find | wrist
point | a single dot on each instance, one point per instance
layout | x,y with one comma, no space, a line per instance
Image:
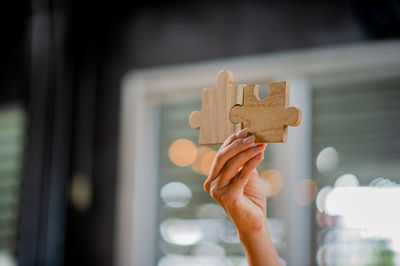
259,248
258,233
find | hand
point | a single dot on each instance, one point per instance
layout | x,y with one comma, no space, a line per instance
235,184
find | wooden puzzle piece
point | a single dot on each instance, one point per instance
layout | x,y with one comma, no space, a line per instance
267,119
213,120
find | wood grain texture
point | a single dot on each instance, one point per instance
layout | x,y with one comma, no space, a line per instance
213,120
267,119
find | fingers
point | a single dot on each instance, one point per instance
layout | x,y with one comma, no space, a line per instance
240,181
231,168
240,134
231,150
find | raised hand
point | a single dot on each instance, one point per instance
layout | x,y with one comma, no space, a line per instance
235,184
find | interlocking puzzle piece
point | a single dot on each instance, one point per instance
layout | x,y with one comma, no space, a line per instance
213,119
267,119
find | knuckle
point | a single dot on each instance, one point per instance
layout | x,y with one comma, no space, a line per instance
231,137
206,186
214,192
236,143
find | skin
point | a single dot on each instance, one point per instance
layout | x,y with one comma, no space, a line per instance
235,184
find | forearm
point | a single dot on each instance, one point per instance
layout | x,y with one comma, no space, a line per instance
259,249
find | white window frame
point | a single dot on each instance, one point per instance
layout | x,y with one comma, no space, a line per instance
144,90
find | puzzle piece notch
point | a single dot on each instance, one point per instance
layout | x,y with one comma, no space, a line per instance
213,120
269,118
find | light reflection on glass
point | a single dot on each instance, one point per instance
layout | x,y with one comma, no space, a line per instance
176,194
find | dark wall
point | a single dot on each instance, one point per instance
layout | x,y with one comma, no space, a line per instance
64,61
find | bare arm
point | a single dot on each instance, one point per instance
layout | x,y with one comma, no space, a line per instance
234,183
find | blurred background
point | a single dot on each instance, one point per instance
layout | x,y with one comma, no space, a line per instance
98,165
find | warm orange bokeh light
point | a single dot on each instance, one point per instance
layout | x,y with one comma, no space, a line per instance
273,181
206,161
196,165
260,169
182,152
306,191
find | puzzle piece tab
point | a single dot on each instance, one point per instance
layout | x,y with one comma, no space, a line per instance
267,119
213,120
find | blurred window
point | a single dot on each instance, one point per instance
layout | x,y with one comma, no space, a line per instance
356,151
12,133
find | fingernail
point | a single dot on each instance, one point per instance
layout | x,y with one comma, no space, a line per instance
261,146
242,133
249,139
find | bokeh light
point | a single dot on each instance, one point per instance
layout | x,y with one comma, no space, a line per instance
210,211
325,220
382,182
321,198
182,152
81,192
194,260
209,249
228,233
347,180
181,232
370,208
176,194
196,165
277,229
273,182
306,191
207,161
7,259
327,160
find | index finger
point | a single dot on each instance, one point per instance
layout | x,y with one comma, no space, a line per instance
223,155
240,134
